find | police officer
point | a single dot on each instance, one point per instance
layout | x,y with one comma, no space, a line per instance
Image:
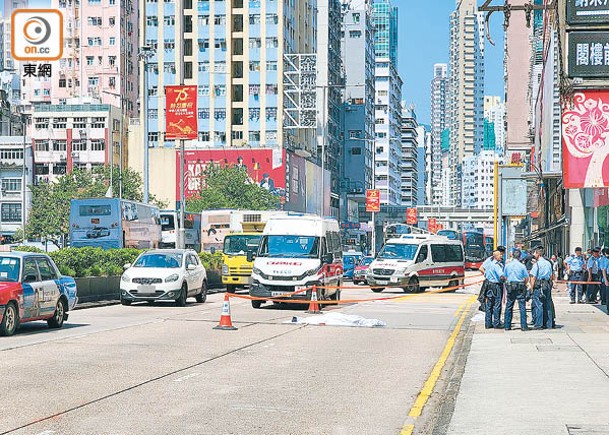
493,271
575,270
604,265
594,275
516,277
541,282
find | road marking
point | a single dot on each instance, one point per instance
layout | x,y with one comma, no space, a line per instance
185,378
429,385
46,432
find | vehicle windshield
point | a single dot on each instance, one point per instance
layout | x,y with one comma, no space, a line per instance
366,261
240,245
167,222
350,260
398,251
289,247
450,234
171,261
474,240
9,269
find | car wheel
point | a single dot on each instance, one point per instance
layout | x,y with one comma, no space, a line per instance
202,297
256,304
377,289
58,316
125,302
453,283
413,286
181,300
230,288
10,321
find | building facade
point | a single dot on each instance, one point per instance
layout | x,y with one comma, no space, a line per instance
479,180
466,84
67,136
388,89
409,165
494,119
439,105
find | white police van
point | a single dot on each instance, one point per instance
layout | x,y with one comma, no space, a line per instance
415,262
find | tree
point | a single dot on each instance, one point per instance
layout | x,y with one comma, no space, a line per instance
50,213
231,187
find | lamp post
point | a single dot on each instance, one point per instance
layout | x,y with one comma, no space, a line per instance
146,52
372,185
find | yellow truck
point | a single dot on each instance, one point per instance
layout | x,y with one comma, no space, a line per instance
236,270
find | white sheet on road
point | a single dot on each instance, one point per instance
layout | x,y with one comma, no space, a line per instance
337,319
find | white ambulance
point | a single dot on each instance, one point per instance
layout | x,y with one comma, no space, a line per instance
415,262
295,253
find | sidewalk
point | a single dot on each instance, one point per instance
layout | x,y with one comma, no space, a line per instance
548,382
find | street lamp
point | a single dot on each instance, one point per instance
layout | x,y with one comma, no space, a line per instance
146,52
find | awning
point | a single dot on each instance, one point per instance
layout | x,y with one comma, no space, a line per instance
559,224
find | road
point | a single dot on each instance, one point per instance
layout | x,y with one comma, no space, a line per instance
147,369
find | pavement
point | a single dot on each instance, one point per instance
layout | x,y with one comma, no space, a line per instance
536,382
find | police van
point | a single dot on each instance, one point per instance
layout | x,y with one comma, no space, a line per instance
296,252
416,262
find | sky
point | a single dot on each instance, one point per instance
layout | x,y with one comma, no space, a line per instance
423,41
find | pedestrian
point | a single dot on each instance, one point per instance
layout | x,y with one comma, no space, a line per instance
561,266
594,275
493,271
541,282
575,270
554,261
516,277
604,265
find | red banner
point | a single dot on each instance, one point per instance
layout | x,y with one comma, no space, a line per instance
181,112
373,201
585,133
411,216
432,225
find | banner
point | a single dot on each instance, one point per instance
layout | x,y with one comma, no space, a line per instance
585,132
411,216
180,112
373,201
432,225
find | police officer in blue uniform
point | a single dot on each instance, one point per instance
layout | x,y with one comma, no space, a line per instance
594,275
541,281
493,272
575,270
516,277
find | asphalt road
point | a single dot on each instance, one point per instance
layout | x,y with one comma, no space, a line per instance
160,369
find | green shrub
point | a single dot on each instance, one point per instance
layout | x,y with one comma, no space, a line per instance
89,261
211,261
28,249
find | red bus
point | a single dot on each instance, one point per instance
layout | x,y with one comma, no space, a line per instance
474,246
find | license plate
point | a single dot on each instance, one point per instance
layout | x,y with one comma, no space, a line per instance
300,288
275,294
145,289
382,282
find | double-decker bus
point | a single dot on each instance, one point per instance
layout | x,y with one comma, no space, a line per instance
475,253
114,223
450,234
170,224
489,245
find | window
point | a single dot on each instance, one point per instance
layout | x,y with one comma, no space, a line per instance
220,90
79,145
187,23
169,44
30,271
203,91
254,65
254,18
219,114
112,21
446,253
47,272
60,122
62,83
422,254
254,136
272,19
204,136
220,44
220,20
169,20
272,43
79,122
60,145
94,42
187,70
112,40
271,114
271,136
59,168
89,60
112,82
355,34
10,185
98,123
153,136
11,154
356,151
111,60
98,145
255,43
188,47
41,123
356,17
203,20
11,212
203,66
271,66
94,21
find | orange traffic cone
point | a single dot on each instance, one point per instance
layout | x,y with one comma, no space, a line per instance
225,321
314,307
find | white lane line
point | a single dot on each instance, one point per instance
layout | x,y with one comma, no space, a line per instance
185,378
46,432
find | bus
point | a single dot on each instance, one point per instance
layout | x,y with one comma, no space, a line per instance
170,222
475,253
450,234
395,231
217,224
114,223
489,245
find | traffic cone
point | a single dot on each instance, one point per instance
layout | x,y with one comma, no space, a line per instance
225,321
314,307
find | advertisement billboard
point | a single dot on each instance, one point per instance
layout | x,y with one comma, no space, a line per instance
411,216
302,190
264,167
585,127
181,112
373,200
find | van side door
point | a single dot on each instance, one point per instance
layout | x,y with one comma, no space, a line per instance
422,265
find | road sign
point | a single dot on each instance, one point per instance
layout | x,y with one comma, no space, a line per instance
411,216
587,12
373,200
587,54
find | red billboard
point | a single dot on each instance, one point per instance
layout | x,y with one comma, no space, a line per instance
181,112
411,216
585,133
264,167
373,200
432,225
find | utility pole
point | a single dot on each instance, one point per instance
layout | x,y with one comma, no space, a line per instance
181,242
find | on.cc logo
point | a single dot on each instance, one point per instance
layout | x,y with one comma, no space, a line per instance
37,34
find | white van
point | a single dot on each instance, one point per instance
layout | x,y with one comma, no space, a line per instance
416,262
297,252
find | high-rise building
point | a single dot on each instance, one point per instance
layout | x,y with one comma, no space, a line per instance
358,125
388,88
330,83
246,58
439,96
409,164
466,83
494,117
479,180
424,164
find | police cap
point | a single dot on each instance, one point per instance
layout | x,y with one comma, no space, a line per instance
500,248
596,249
578,249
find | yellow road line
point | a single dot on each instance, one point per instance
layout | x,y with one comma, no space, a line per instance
429,385
461,307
